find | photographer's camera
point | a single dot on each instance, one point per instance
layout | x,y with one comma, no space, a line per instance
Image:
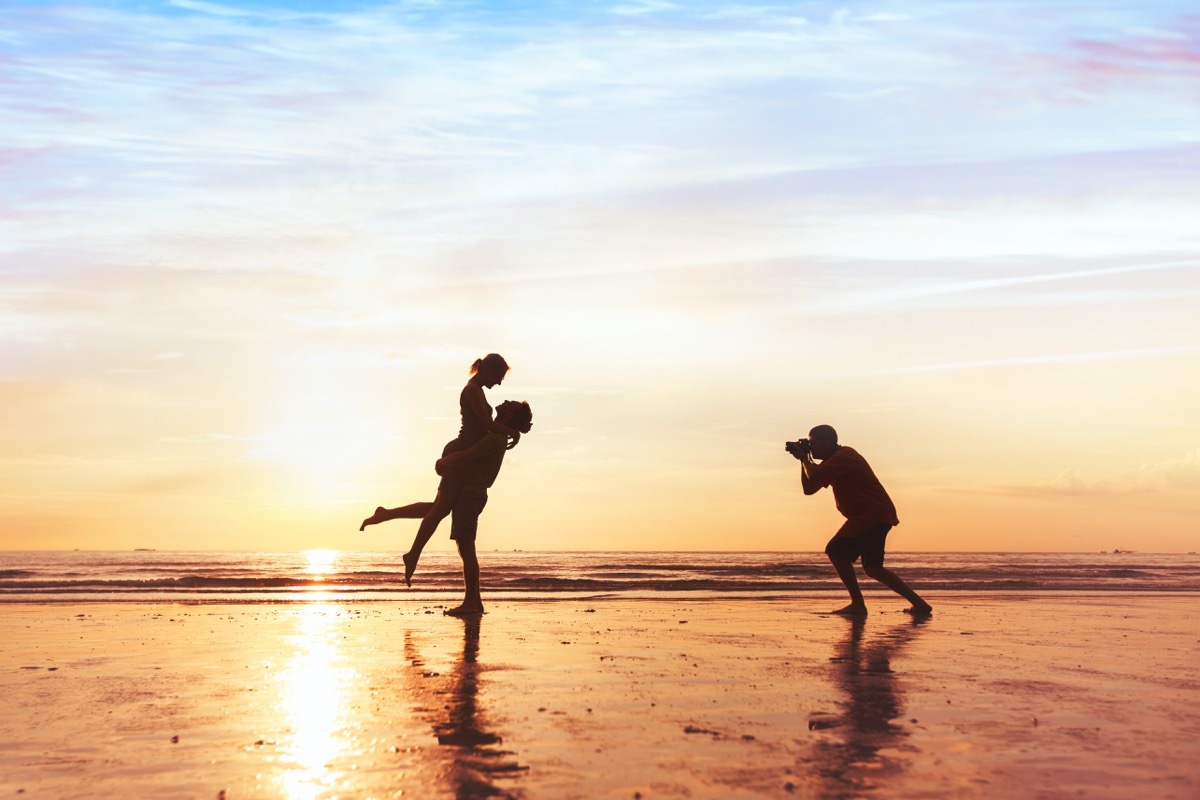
798,448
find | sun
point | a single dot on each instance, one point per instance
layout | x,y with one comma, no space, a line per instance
321,440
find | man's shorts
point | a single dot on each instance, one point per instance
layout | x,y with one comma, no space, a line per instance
868,545
464,522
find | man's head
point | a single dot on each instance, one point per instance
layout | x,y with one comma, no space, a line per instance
515,414
823,441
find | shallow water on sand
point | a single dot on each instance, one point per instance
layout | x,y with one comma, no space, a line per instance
32,576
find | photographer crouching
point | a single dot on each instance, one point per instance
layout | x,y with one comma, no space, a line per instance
868,510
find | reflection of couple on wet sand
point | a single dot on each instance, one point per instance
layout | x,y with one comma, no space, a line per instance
455,714
468,468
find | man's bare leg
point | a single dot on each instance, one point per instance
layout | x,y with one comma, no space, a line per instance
437,511
472,603
845,571
897,585
410,511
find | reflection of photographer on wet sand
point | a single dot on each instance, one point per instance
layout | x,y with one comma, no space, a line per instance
868,510
864,751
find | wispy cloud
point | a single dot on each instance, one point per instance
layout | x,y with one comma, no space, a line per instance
1179,474
217,9
1045,359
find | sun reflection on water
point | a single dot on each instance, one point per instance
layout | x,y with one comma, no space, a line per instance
313,702
320,562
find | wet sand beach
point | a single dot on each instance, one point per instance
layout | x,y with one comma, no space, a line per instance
1051,695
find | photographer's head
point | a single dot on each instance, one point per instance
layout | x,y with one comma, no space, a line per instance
822,441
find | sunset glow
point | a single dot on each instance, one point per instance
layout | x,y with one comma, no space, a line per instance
250,249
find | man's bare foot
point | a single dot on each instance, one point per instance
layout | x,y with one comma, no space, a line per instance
374,519
920,611
464,611
410,566
852,610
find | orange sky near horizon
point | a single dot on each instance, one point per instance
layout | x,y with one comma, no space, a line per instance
243,278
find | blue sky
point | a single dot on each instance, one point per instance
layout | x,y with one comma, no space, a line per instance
249,249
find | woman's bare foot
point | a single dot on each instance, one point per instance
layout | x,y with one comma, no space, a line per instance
920,611
410,566
852,610
464,611
374,519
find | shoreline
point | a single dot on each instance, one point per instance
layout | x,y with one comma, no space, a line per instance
426,596
737,697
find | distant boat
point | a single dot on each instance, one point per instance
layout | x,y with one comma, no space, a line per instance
144,550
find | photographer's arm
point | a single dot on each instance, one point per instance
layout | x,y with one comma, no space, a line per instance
808,479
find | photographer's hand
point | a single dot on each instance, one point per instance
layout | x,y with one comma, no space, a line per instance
807,478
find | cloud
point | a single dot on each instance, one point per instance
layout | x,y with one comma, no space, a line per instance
1173,51
1173,475
643,7
211,8
1044,359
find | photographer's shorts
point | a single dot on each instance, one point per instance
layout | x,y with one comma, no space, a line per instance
464,522
868,545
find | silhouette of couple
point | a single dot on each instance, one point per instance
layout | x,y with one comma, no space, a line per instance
468,467
471,461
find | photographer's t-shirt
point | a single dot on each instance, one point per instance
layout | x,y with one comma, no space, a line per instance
858,494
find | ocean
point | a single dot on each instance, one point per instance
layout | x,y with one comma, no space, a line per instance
155,576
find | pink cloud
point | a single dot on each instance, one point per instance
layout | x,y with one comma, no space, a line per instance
1175,51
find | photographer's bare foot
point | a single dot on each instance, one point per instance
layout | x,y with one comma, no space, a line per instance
410,566
374,519
852,610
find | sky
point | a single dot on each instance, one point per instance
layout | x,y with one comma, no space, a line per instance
249,251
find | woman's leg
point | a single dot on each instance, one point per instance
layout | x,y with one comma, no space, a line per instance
410,511
437,511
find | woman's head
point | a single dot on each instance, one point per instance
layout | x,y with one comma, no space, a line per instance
491,368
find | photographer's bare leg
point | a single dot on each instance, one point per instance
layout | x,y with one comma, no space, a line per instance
845,571
897,585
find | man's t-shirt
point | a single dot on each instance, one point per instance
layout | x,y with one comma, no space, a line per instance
857,493
480,473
